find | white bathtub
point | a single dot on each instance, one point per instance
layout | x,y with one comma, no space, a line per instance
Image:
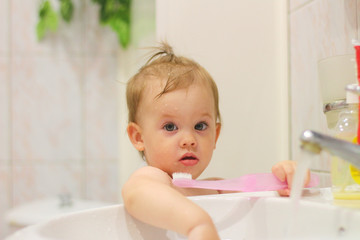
237,216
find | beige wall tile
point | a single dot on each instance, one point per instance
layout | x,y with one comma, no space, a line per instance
102,182
67,40
321,29
4,26
4,199
46,111
4,111
101,109
34,182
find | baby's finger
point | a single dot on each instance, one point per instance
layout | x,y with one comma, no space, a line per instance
279,172
284,192
289,173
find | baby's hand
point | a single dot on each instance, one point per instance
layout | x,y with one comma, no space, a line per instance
285,171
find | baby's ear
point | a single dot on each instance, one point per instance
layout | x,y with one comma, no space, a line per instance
218,129
134,133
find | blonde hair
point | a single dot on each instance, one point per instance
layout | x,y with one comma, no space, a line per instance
179,72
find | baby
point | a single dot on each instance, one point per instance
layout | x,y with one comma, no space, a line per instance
174,122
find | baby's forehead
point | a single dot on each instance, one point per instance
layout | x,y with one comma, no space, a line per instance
195,95
153,86
160,85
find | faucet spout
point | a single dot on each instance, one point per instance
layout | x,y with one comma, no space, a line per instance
316,142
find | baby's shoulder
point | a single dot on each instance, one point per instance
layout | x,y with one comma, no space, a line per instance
151,173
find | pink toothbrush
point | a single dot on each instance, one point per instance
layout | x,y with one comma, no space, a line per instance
247,183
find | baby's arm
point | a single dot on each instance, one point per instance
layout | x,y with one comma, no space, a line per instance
149,196
285,171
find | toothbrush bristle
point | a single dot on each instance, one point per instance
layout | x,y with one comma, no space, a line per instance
180,175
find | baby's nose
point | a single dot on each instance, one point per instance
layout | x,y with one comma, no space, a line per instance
188,140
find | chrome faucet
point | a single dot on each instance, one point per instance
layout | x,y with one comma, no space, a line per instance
65,200
316,142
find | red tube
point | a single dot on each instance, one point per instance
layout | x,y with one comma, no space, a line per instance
357,50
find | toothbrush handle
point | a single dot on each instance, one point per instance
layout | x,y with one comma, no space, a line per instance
269,182
247,183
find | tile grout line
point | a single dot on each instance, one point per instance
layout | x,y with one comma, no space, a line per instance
289,82
83,106
10,108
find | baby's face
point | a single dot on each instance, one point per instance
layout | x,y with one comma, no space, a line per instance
179,129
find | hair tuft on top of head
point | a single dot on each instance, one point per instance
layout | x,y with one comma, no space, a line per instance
164,50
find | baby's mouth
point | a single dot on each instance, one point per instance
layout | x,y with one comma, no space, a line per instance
189,160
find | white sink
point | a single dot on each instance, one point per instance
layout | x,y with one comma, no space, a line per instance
46,209
237,216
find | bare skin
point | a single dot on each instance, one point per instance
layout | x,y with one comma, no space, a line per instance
149,188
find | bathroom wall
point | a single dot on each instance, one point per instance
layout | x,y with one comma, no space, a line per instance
59,104
319,29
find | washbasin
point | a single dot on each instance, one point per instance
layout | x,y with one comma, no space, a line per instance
45,209
261,215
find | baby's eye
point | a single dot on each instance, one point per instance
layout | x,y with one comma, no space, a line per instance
201,126
170,127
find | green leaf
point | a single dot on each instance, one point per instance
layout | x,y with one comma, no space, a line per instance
52,21
48,20
40,30
122,29
44,8
66,10
116,14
